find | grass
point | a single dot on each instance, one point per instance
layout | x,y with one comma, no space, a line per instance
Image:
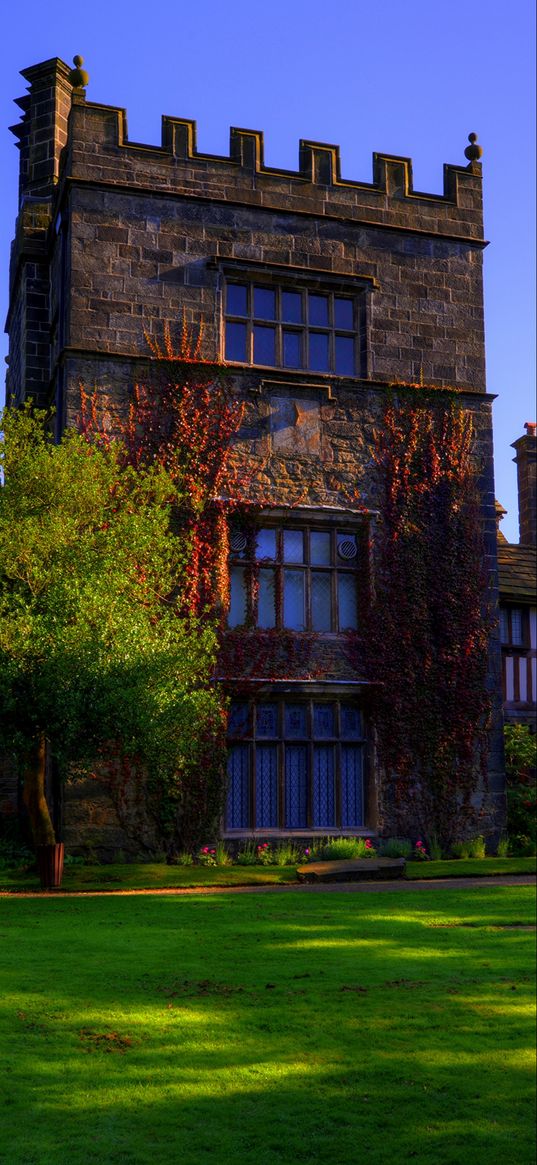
326,1027
158,876
149,876
153,876
470,868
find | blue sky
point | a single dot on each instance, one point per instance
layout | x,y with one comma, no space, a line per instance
409,78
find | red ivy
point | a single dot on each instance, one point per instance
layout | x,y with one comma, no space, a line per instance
429,620
185,420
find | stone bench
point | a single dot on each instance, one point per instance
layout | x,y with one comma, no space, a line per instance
352,871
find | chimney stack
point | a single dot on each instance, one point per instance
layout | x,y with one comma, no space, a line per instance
41,136
526,463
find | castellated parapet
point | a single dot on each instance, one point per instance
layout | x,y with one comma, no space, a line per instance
142,234
99,139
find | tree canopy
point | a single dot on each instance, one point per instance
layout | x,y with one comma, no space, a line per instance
94,651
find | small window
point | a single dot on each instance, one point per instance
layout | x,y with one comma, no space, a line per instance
282,328
512,626
516,627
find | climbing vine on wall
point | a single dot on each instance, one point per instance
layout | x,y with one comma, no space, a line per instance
426,642
182,422
183,418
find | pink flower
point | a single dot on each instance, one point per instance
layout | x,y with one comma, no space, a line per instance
368,843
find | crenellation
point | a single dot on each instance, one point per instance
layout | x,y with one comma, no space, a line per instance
178,164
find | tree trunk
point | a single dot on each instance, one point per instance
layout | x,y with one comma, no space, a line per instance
34,794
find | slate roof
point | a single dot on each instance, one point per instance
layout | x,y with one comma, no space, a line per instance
517,571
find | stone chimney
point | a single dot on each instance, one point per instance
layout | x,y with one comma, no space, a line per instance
42,132
526,463
41,136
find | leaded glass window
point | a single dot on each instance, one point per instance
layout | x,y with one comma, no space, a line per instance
295,765
512,626
300,578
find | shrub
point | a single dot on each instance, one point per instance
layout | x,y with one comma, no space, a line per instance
13,852
207,856
315,853
473,847
520,751
522,845
342,848
477,847
396,847
183,858
502,850
264,854
459,849
247,856
222,856
435,848
520,762
521,810
289,854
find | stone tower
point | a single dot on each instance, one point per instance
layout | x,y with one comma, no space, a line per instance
318,292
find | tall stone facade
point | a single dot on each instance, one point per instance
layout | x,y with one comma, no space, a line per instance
318,293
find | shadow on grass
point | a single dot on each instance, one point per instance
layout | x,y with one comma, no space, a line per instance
327,1028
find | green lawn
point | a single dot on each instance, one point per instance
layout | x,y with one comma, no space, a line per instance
268,1029
149,876
470,868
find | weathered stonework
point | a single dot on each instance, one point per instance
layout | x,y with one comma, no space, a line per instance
116,239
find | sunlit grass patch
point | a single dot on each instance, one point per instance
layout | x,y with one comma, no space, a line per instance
263,1029
470,868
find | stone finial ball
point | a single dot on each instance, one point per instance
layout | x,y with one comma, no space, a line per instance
78,76
473,152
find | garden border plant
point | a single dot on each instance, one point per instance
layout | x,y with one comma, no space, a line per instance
520,766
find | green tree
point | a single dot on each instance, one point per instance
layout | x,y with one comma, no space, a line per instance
95,656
